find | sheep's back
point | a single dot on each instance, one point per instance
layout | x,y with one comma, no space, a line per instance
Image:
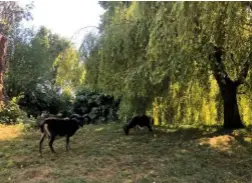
140,120
62,127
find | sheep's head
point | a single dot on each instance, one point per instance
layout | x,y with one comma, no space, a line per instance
87,119
126,129
80,119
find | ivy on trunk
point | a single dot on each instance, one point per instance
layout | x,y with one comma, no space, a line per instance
3,46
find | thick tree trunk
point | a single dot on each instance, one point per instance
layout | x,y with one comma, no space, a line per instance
3,46
228,88
232,119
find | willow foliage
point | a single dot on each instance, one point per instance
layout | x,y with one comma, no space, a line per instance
158,56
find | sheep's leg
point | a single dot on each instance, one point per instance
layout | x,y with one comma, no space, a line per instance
67,142
52,138
47,131
126,130
137,127
150,129
42,138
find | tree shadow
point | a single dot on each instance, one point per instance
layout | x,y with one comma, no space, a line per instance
188,132
195,133
219,155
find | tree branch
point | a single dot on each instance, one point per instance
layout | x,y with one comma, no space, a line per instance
244,72
248,4
218,68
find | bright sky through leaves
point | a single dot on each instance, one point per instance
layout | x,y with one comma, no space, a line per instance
66,17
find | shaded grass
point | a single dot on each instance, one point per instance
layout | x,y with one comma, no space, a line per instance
101,153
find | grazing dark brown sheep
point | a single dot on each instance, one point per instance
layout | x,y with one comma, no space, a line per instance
53,127
141,121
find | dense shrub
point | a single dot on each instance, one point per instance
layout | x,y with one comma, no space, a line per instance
66,103
12,113
36,102
98,106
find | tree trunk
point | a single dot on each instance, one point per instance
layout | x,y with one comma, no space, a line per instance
232,119
228,88
3,46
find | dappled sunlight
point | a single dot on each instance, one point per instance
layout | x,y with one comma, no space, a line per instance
99,129
193,105
222,143
8,132
245,108
248,140
188,104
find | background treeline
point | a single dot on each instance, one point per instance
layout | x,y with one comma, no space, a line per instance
181,62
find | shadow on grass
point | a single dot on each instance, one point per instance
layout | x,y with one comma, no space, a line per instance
196,132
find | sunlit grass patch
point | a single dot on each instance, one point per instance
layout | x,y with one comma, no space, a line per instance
222,143
99,129
8,132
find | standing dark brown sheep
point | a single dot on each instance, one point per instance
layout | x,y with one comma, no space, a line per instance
53,127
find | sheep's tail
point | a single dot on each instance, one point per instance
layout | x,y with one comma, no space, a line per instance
41,126
151,121
44,129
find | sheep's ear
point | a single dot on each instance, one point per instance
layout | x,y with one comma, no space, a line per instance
81,123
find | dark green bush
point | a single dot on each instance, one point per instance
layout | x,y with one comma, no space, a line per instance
98,106
52,101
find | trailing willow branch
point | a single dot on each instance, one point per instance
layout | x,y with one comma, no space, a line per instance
92,26
244,72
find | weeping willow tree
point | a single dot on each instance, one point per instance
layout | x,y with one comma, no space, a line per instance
211,38
153,50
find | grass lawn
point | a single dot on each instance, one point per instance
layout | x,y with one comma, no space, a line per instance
102,153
